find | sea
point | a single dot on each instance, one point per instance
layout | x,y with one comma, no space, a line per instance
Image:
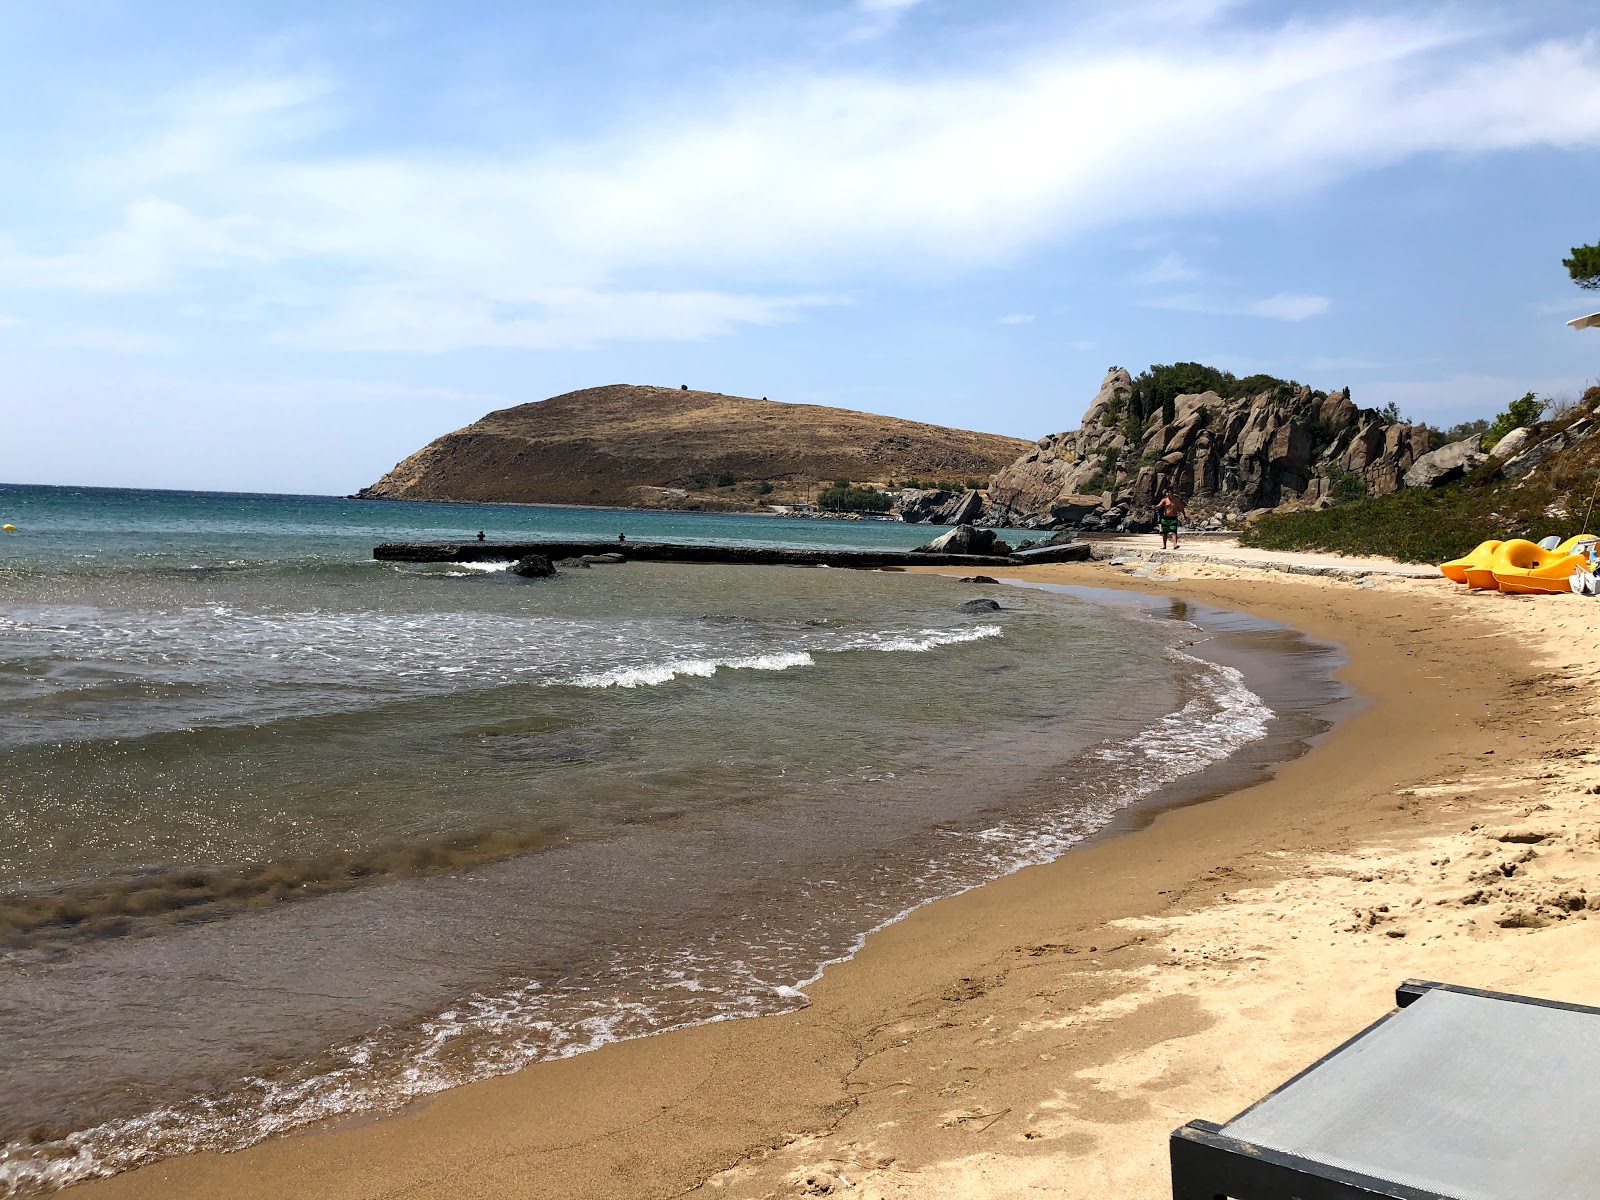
288,834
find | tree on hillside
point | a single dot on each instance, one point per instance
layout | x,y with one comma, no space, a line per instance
1584,266
1156,389
1519,414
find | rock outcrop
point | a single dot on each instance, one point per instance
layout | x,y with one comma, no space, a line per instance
1522,463
935,506
1226,456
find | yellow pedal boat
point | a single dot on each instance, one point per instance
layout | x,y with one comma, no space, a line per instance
1481,559
1522,566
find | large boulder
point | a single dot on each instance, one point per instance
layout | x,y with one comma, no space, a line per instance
1069,510
965,539
534,566
1508,446
1070,552
1446,464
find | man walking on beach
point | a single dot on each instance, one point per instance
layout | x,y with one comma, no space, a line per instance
1168,509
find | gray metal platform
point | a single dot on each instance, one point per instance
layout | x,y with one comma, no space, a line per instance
1462,1094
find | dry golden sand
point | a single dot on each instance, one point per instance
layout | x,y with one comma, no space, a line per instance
1041,1036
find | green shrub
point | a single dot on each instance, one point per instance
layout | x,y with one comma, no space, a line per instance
852,499
1346,486
1423,525
764,487
726,479
1156,388
1519,414
1458,432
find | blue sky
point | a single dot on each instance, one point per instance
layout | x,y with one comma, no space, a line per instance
279,246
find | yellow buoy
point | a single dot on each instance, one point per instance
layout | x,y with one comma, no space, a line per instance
9,528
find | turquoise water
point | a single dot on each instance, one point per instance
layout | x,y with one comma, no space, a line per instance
479,820
62,527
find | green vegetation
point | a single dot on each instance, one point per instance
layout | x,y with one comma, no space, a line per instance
1459,432
764,487
1519,414
940,485
841,496
726,479
1157,388
1348,486
1422,525
1584,266
1438,524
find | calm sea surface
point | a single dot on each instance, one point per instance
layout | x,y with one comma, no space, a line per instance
286,833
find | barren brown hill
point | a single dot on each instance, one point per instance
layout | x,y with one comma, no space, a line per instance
655,446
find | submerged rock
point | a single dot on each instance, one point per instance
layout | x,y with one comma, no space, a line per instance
980,605
534,566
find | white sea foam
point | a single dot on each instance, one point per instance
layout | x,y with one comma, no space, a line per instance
652,674
214,665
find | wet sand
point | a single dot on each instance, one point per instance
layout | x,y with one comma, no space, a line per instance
1041,1034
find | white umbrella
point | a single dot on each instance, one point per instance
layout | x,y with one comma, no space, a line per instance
1589,322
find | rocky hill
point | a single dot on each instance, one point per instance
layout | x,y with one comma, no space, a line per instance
628,445
1264,443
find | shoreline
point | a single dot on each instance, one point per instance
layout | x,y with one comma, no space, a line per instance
754,1103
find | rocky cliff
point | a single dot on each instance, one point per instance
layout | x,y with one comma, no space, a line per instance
1228,456
668,447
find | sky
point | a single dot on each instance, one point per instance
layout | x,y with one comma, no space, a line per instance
279,246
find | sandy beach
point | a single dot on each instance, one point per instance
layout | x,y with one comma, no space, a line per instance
1040,1036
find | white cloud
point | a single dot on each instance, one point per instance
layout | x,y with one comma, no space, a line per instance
880,16
1017,319
757,200
402,319
155,242
1285,306
1170,268
1289,306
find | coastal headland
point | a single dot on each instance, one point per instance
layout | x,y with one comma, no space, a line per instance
1040,1035
676,448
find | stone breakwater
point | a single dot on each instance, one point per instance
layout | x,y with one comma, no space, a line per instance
490,551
